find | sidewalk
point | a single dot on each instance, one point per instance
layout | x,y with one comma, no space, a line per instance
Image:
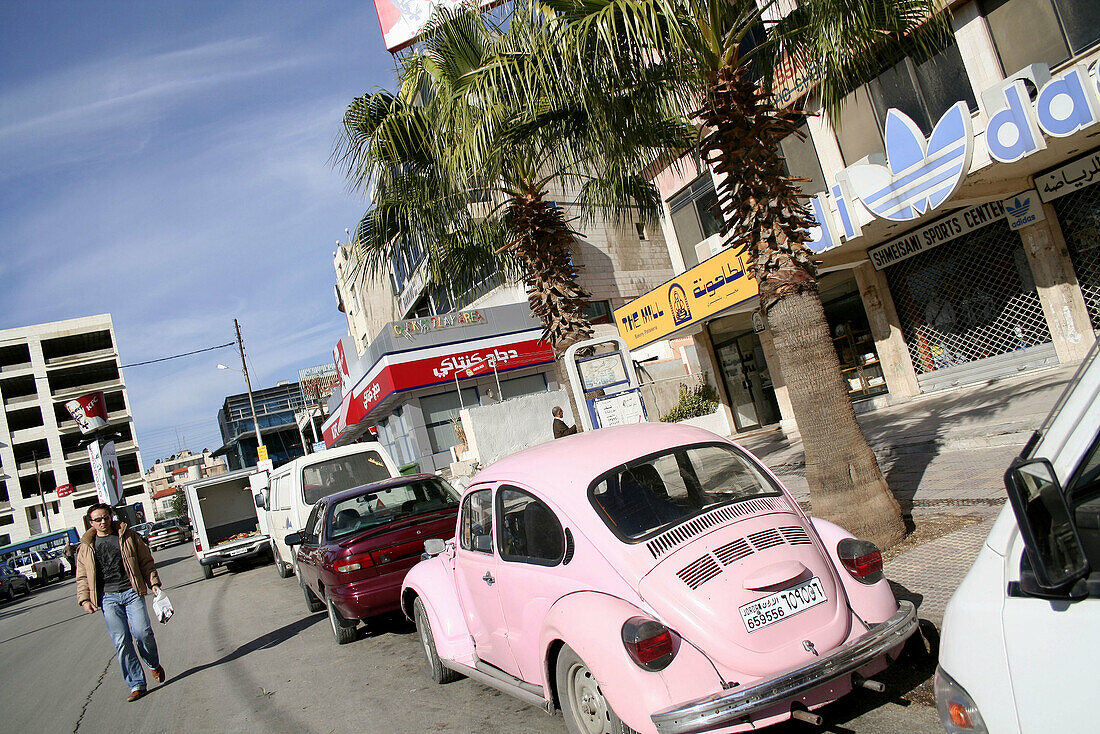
947,449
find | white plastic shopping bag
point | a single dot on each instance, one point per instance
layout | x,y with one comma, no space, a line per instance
162,607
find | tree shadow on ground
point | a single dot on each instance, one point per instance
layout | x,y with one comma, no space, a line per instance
263,642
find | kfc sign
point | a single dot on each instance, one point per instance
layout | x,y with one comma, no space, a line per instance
89,411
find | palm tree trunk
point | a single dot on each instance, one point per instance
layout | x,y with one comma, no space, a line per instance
542,244
846,484
763,214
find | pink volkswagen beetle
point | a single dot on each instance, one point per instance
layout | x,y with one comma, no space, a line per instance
654,578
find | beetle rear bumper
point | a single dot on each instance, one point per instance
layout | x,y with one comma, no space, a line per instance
731,707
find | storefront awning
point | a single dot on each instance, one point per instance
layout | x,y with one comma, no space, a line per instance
440,364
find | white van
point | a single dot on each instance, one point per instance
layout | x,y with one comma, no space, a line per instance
294,488
1020,650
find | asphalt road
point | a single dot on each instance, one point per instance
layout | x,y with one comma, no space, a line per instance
243,654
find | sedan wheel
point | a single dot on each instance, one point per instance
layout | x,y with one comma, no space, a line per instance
585,709
342,629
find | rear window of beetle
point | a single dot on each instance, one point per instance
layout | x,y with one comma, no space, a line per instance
656,492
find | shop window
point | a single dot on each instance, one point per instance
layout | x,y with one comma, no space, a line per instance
519,386
802,161
921,86
598,312
695,216
439,410
529,530
1041,31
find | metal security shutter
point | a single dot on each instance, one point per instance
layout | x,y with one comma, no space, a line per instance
968,300
1079,214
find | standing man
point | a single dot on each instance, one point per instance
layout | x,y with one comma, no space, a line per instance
114,570
560,429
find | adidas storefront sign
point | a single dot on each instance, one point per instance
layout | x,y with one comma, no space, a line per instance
1023,209
919,175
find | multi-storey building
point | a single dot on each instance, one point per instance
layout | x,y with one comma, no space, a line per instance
275,411
980,259
41,446
168,475
403,330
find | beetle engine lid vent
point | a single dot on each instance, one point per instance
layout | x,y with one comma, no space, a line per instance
680,534
795,535
698,572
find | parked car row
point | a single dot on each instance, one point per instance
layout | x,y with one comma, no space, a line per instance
40,567
648,578
13,583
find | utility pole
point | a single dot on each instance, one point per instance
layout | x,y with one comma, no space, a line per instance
248,384
41,494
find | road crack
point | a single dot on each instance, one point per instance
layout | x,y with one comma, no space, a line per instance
88,700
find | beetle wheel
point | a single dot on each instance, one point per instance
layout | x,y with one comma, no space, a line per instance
583,705
436,669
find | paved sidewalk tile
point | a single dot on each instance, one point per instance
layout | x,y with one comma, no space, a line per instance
929,574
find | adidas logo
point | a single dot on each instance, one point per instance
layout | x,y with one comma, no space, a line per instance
918,174
1017,208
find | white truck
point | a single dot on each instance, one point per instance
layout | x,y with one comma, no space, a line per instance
1020,636
39,566
224,520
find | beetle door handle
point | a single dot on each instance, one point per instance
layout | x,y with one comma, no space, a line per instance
488,578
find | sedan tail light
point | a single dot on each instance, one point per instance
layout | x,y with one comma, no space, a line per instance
862,559
650,644
353,563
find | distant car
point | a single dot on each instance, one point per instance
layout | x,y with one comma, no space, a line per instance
165,533
68,565
142,529
652,578
12,583
39,567
358,544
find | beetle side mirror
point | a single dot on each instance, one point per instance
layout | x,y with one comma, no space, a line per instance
293,539
1050,536
434,546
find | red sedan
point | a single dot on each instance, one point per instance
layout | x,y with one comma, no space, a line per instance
358,545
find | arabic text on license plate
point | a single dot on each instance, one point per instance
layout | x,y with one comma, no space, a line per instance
782,604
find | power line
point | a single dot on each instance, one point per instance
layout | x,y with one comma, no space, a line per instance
177,356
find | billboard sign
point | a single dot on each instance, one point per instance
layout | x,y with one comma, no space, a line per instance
403,20
105,472
89,411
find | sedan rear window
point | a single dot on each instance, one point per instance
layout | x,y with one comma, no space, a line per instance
380,506
658,491
336,475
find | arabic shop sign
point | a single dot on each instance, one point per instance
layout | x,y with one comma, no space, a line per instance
711,286
411,327
1069,178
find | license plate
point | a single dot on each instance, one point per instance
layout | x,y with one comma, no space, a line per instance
238,552
782,604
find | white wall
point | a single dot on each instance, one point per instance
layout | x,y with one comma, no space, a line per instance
499,430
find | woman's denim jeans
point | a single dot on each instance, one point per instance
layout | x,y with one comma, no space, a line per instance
128,622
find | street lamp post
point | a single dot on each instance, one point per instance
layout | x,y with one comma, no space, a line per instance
248,385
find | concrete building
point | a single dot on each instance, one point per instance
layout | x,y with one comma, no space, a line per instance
168,475
978,260
406,338
275,411
41,367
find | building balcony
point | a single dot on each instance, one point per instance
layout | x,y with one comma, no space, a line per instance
98,355
68,393
15,370
113,418
20,400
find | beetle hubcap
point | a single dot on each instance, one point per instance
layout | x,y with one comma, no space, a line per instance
588,704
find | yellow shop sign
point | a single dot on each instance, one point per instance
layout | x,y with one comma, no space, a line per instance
711,286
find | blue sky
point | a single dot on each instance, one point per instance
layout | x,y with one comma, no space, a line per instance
168,163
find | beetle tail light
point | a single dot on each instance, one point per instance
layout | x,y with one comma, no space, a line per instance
650,644
862,559
353,563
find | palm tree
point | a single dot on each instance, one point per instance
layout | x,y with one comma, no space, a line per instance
454,141
729,52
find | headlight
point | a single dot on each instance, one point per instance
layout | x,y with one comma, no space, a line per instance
958,712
